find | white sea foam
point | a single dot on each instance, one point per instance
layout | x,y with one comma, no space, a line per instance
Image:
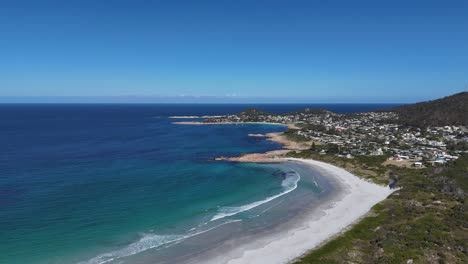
354,199
148,241
289,184
315,182
211,116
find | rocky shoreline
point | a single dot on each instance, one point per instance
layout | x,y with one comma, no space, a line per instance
270,156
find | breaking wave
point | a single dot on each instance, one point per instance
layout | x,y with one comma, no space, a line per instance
289,184
148,241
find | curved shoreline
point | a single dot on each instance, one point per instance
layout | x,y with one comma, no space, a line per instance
316,218
354,200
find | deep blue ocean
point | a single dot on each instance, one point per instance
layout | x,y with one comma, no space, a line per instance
92,183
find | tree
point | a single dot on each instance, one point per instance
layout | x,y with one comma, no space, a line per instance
333,149
313,147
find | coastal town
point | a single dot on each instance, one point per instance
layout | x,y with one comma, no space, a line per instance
367,133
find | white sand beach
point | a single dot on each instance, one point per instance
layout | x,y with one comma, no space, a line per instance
355,199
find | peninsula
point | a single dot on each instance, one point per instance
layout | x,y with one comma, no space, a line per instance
425,220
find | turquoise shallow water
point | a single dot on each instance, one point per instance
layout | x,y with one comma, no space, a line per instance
121,184
78,183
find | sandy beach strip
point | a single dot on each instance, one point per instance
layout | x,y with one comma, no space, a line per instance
320,224
270,156
354,201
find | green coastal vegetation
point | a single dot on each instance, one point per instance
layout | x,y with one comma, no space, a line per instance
410,135
291,134
367,167
421,149
450,110
425,221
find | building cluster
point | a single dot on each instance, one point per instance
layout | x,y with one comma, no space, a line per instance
370,133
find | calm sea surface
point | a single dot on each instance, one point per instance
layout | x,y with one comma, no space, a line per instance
99,183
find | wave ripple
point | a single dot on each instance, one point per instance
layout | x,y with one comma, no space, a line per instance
289,184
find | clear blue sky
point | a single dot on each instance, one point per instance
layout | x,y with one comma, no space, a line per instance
320,51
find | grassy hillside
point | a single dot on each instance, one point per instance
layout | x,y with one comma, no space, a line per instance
424,222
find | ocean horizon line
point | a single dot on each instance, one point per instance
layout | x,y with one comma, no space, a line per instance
191,103
403,99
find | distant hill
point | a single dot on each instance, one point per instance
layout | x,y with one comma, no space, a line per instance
450,110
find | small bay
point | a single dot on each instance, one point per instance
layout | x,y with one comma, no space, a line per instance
122,184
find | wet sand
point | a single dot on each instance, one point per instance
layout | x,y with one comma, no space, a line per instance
350,200
345,200
283,229
229,237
